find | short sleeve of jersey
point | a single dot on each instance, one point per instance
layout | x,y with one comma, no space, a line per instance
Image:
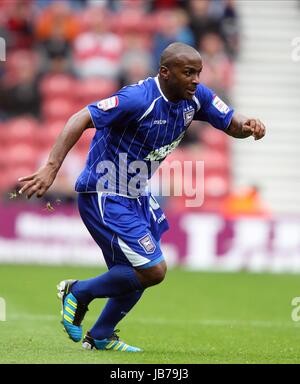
213,109
120,108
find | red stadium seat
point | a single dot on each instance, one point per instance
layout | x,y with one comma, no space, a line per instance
214,159
216,176
58,85
85,141
3,158
48,133
3,184
21,130
214,139
9,179
21,155
216,185
53,129
131,20
94,89
3,136
58,109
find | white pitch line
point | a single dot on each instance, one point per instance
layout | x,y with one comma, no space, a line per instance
203,322
29,317
222,323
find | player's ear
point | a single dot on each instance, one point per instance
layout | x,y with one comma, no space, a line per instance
164,72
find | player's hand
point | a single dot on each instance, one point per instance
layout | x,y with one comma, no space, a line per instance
255,128
38,183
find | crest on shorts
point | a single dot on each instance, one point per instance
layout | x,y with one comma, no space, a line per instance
147,243
109,103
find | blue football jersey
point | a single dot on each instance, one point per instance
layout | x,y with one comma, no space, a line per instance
136,128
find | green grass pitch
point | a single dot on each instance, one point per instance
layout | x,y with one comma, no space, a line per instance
190,318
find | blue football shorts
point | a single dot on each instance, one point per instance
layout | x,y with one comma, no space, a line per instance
128,230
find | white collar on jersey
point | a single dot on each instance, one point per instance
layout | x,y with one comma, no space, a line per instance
158,86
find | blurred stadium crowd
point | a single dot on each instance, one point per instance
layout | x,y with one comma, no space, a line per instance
63,55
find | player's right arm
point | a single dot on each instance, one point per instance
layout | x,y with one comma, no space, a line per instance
39,182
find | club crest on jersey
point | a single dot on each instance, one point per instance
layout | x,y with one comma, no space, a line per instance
109,103
220,105
147,243
188,116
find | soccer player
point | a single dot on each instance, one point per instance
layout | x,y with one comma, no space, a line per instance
136,127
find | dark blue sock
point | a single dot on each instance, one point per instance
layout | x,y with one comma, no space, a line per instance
118,281
115,309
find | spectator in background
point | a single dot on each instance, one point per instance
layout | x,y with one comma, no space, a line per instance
3,35
57,65
97,52
19,92
230,28
225,12
246,201
172,26
201,20
134,68
74,4
115,45
217,71
163,4
120,6
42,4
2,71
131,16
58,16
215,16
56,52
55,29
18,24
137,61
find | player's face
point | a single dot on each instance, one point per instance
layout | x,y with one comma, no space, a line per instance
183,78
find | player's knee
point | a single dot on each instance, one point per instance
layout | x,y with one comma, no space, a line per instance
153,275
159,274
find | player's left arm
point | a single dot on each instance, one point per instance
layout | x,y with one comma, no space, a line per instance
242,127
221,116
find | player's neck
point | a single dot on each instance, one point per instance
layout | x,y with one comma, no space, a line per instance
166,92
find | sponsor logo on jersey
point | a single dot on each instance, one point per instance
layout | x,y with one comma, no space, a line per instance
109,103
161,153
147,243
220,105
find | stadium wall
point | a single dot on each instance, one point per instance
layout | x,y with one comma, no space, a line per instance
208,242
